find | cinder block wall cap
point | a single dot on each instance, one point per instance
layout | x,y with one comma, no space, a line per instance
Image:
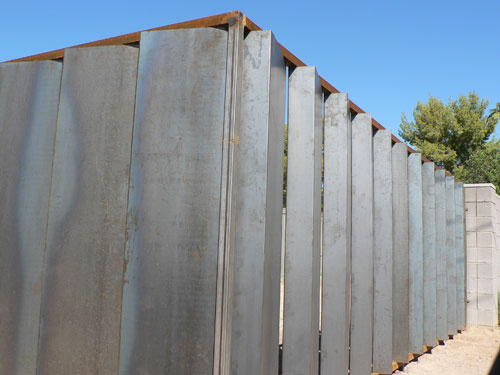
479,185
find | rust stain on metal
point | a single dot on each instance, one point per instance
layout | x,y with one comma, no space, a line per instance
36,289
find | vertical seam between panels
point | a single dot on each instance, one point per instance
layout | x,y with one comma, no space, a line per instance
42,282
126,211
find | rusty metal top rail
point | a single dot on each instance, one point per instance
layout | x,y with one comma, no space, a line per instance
219,20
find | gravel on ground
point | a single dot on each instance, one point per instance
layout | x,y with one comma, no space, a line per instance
471,352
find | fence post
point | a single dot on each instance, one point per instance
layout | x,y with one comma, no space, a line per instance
429,248
228,193
400,281
303,209
88,211
460,246
258,208
441,260
175,194
451,255
382,252
337,237
416,256
362,246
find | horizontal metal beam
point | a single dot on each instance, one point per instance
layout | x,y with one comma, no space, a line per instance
223,19
217,20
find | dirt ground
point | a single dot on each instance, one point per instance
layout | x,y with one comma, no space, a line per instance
469,353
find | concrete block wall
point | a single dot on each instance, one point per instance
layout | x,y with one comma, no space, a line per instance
482,213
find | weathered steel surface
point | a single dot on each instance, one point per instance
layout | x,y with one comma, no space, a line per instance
257,258
416,256
302,256
429,243
382,252
400,277
460,246
82,294
168,318
362,246
29,94
336,237
228,190
451,255
441,278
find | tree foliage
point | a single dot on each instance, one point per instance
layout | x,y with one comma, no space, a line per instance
450,133
483,165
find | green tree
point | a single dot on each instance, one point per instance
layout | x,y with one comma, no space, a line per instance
450,133
495,113
483,165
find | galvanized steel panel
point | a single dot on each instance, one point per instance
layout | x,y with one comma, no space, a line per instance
258,208
451,255
82,295
228,190
429,247
382,252
336,237
302,256
460,246
400,276
168,319
416,256
29,95
362,246
441,260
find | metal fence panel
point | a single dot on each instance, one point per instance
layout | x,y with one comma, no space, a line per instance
168,321
337,237
362,246
400,277
86,239
382,252
429,247
228,190
441,268
302,256
460,245
451,255
255,325
29,95
141,216
416,256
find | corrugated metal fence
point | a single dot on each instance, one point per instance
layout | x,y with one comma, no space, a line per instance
140,219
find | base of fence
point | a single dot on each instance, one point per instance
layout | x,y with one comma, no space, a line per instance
414,356
395,366
411,357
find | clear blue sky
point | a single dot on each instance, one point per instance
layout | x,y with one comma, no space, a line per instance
385,54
